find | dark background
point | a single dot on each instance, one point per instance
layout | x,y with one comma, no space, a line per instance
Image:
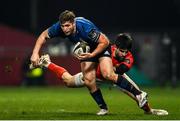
141,15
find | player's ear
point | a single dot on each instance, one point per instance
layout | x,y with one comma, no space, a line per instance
74,23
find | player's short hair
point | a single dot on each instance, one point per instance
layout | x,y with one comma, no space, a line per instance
66,16
124,41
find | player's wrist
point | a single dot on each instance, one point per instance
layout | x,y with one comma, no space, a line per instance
35,53
92,55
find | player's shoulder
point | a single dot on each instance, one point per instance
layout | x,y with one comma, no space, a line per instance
82,20
129,53
130,56
87,28
55,30
56,23
56,26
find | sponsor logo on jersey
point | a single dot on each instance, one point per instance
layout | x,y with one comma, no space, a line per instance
94,35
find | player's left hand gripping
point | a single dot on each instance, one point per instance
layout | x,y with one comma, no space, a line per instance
34,61
85,56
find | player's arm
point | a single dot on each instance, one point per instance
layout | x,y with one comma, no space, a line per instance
124,66
40,41
103,43
121,69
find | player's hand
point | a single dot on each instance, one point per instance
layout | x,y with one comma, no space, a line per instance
85,56
35,59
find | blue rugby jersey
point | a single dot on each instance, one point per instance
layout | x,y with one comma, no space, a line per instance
85,31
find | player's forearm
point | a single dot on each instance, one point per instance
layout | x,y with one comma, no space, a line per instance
40,41
99,49
103,44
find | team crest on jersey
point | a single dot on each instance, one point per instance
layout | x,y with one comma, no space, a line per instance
94,35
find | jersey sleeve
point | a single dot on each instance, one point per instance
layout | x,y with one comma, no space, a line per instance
55,30
90,31
125,65
128,62
93,34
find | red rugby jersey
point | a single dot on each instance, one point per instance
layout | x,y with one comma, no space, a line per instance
128,61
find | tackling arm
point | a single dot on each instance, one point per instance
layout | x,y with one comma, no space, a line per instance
121,69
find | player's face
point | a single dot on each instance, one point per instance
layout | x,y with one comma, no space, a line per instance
68,28
122,52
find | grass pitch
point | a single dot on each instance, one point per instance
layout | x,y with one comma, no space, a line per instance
65,104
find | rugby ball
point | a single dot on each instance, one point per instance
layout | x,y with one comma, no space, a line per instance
80,48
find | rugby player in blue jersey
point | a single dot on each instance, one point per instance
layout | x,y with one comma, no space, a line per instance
80,29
